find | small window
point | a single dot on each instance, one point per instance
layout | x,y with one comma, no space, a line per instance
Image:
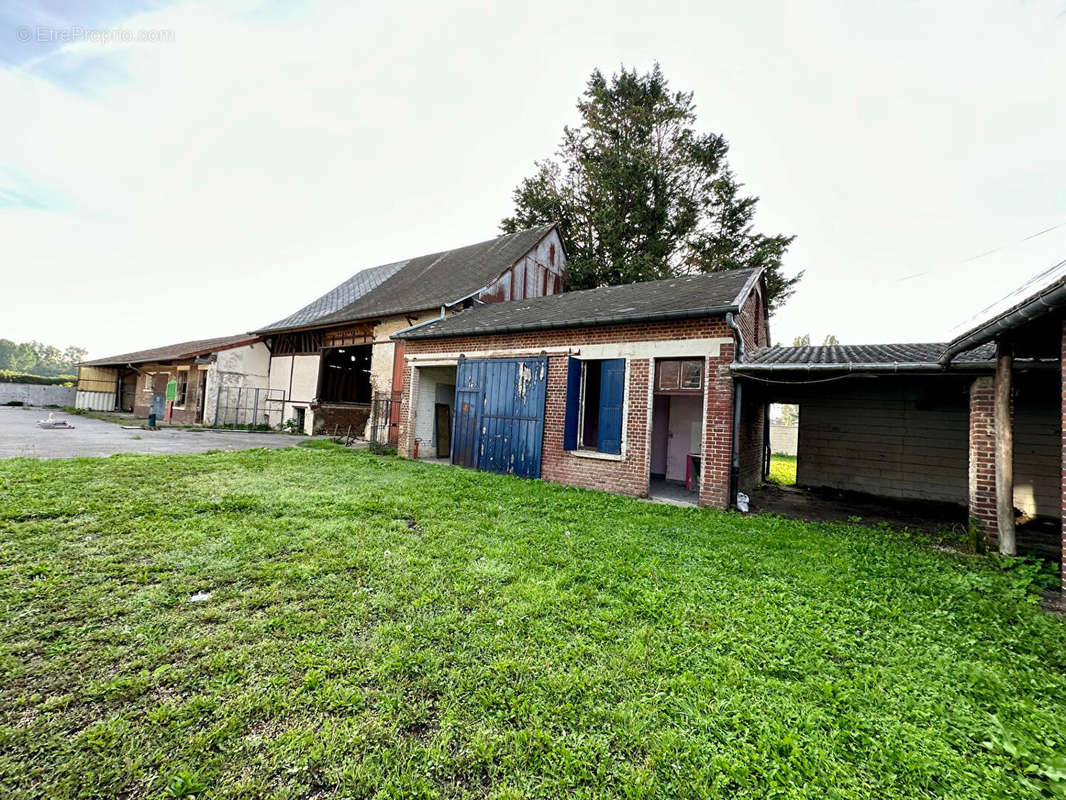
670,375
691,374
149,379
679,375
594,393
183,388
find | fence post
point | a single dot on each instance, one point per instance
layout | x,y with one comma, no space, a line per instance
237,411
218,397
255,408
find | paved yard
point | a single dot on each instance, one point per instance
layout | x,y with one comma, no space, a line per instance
20,436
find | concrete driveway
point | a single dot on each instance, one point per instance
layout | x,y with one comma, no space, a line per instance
20,436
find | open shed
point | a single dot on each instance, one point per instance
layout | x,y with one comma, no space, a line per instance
890,421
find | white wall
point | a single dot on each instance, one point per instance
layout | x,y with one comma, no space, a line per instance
95,401
297,377
434,385
36,394
381,359
784,439
247,368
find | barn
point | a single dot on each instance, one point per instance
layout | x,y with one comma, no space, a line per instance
219,381
333,360
623,388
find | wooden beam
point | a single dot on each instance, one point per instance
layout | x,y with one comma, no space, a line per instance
1004,451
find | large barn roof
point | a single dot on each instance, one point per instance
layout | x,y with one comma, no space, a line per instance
173,352
673,298
415,284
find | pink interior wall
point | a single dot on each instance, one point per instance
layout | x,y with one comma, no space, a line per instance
684,411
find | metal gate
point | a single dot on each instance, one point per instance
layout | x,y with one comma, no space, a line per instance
499,414
247,407
384,421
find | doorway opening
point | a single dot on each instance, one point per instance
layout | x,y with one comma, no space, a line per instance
677,431
346,374
434,403
784,443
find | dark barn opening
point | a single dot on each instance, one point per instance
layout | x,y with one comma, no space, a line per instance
346,374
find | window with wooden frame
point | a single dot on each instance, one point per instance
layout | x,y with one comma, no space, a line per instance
183,388
595,390
678,375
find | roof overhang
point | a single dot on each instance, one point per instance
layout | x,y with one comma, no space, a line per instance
119,361
1048,299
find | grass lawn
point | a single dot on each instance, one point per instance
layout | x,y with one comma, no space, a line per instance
316,622
782,470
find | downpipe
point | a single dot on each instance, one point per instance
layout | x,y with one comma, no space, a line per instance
738,395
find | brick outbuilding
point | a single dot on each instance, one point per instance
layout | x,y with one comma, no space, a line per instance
624,388
1027,327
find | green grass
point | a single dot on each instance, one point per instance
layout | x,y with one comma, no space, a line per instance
319,622
782,470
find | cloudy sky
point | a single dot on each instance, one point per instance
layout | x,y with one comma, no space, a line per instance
211,167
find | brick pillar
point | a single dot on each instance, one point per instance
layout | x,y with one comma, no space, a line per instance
718,431
405,430
983,461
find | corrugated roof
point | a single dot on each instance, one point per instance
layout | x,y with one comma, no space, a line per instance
874,356
1034,298
173,352
673,298
417,284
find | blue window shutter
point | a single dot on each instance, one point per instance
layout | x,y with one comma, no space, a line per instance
612,386
573,403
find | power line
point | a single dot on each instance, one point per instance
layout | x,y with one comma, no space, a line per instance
984,254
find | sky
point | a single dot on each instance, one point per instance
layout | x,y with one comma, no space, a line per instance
182,170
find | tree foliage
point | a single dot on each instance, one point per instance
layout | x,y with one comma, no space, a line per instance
805,340
640,194
38,358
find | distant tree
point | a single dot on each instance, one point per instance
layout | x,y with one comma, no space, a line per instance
16,357
37,358
639,194
74,355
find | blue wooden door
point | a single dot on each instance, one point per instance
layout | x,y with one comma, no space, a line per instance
499,414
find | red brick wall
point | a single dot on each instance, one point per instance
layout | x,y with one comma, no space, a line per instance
341,418
190,413
752,323
983,459
630,474
752,432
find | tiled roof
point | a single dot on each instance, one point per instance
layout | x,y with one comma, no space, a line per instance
674,298
173,352
416,284
859,355
336,299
